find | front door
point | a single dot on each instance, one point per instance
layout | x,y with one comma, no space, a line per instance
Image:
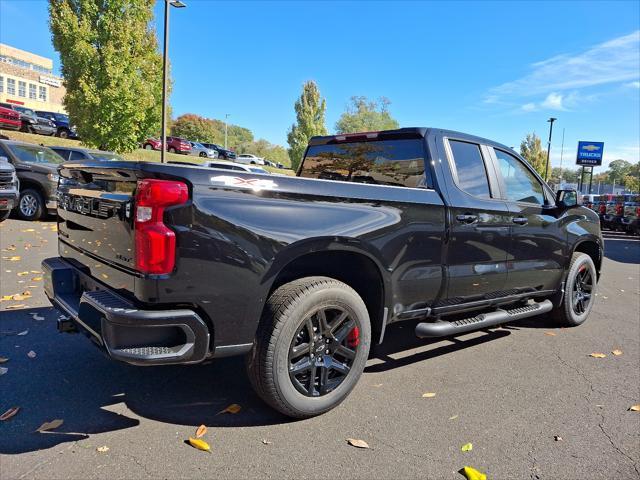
537,251
479,225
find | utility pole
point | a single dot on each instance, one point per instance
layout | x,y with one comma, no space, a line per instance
226,116
561,155
165,67
546,169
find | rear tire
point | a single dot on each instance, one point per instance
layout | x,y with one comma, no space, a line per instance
148,146
579,294
307,325
30,205
172,150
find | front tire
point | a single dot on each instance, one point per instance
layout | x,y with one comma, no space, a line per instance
580,290
203,154
172,150
63,133
311,346
31,205
148,146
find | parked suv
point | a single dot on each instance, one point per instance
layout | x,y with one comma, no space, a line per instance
630,214
64,129
9,119
28,117
73,153
37,170
223,153
9,188
174,145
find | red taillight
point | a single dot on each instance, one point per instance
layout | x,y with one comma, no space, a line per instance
603,208
155,242
637,211
619,209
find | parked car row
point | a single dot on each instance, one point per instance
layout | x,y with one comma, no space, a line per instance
616,212
17,117
32,193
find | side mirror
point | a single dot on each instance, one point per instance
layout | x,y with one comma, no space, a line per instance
566,198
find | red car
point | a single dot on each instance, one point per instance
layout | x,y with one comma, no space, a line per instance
174,145
9,119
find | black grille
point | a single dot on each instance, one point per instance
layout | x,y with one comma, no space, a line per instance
6,179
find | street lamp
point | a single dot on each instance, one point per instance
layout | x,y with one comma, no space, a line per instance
546,168
226,115
176,4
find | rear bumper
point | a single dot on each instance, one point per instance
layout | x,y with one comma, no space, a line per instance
116,325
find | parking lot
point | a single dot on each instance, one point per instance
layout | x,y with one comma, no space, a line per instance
528,396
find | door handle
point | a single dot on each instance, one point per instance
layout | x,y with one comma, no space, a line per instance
521,220
466,218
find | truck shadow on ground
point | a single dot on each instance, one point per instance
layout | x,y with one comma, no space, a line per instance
70,379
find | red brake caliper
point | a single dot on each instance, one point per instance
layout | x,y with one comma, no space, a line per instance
353,339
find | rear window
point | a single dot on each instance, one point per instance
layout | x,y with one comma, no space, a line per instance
397,163
35,154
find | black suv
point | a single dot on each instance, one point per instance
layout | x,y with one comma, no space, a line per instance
222,152
64,129
37,170
77,153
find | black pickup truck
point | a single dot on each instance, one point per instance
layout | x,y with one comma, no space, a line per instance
165,264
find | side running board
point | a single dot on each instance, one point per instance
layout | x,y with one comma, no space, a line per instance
445,329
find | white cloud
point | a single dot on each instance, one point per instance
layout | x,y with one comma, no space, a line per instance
614,61
553,102
529,107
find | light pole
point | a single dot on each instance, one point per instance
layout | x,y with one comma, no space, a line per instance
226,116
163,139
546,168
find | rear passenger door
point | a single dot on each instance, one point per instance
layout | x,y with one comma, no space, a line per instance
538,241
479,224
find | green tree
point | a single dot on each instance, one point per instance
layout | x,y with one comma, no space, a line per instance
618,169
310,108
363,115
531,150
199,129
112,69
567,175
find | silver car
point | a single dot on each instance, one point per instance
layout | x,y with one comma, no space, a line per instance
200,150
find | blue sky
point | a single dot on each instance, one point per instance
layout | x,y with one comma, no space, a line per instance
497,70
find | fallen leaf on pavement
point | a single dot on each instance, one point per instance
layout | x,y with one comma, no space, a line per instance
102,449
266,442
28,230
597,355
3,370
467,447
616,352
23,333
37,279
453,418
473,474
9,413
4,359
37,272
557,438
551,334
634,408
377,385
32,354
199,444
14,259
233,408
201,431
22,274
52,425
356,442
14,307
428,395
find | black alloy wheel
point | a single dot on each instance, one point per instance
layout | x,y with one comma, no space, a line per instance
322,352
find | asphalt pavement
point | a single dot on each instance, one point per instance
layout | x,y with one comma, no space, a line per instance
527,396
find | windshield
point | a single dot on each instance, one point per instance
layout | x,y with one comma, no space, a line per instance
28,111
35,154
61,117
106,156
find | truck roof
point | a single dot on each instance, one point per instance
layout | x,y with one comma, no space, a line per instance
400,133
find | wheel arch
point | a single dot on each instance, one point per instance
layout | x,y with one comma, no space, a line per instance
355,267
592,248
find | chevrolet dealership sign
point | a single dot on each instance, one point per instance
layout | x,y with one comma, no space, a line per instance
590,154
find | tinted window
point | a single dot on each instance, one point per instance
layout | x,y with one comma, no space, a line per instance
62,152
387,162
77,155
520,183
35,154
223,167
472,175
